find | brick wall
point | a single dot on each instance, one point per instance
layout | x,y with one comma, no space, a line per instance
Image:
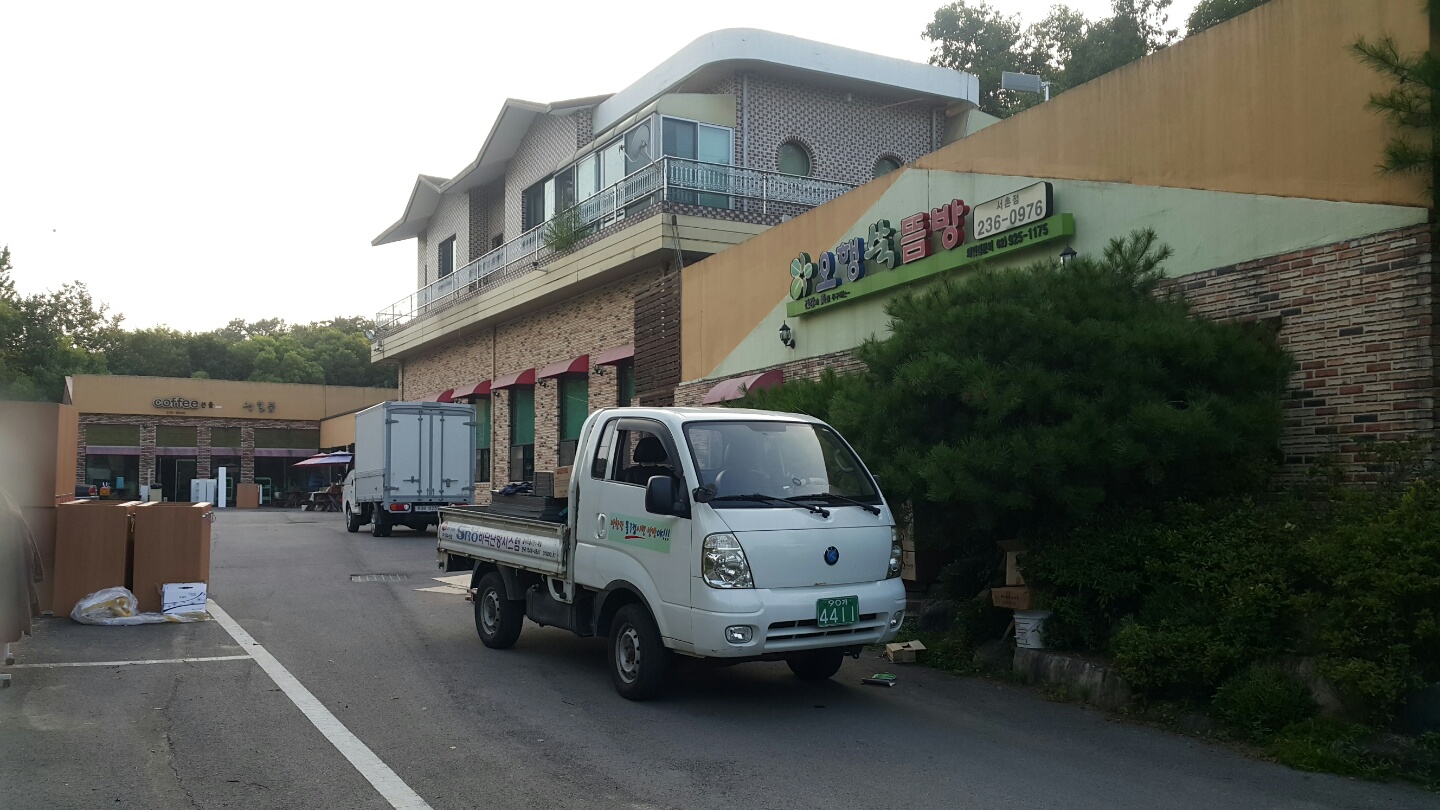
845,131
550,140
451,218
692,394
487,217
1358,317
203,426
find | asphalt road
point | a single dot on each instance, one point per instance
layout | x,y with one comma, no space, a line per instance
539,726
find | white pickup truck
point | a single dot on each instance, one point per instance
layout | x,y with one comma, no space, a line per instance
715,533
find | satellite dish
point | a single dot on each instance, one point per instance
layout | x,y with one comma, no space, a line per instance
370,335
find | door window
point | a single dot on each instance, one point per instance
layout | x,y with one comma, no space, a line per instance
642,449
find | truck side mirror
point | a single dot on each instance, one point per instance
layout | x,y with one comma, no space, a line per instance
661,497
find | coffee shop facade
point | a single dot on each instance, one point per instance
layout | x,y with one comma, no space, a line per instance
1261,178
168,431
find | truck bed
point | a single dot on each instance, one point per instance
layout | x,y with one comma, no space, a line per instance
482,533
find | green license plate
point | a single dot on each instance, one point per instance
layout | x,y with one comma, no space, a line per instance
838,611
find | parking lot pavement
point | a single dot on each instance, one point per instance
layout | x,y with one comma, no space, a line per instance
352,619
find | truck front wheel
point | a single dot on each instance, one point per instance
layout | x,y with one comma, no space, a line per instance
497,619
638,658
816,666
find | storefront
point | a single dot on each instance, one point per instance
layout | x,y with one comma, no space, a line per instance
1275,213
162,432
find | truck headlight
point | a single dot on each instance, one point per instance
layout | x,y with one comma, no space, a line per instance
897,557
723,563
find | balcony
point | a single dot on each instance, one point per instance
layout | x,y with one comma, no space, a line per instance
700,186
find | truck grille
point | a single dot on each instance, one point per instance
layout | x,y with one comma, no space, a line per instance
809,629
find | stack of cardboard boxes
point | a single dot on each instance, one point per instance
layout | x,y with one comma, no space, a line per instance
139,546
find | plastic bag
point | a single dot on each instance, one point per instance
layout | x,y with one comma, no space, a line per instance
117,606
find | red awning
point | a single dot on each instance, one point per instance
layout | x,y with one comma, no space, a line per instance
619,354
580,365
526,377
444,396
480,389
735,387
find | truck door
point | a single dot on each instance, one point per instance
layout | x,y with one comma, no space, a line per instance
407,437
454,452
629,542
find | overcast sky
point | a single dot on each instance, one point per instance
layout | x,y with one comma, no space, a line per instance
196,162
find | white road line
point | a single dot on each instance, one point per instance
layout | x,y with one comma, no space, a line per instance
378,773
130,663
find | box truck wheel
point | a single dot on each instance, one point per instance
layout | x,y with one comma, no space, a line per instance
352,520
816,666
382,525
638,658
498,620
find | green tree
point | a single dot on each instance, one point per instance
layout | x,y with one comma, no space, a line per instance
1135,30
1210,13
46,336
975,38
1408,104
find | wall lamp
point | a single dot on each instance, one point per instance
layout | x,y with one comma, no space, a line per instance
1066,255
787,336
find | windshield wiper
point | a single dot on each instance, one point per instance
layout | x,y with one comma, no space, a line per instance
822,512
872,509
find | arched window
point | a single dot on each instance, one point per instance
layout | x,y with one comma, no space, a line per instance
794,159
886,164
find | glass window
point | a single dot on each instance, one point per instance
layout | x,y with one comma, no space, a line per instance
532,206
679,138
446,261
522,434
640,453
120,473
714,145
625,384
794,159
587,177
225,437
482,439
574,407
549,200
174,436
290,438
612,164
783,459
885,165
112,435
565,189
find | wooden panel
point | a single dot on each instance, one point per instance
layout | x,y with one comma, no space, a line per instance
172,544
247,496
92,550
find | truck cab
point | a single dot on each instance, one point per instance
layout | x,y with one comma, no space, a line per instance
721,534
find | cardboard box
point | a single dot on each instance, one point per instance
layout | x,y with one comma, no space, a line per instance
1015,598
93,550
247,496
172,544
1013,549
182,597
562,482
903,653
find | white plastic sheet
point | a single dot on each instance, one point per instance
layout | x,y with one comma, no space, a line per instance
117,606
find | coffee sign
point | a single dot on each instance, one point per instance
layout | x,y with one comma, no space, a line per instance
927,242
181,404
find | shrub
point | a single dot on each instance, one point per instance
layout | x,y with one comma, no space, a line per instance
564,231
1328,745
1262,700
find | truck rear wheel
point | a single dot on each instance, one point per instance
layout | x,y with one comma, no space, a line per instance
638,659
816,666
498,620
382,525
352,520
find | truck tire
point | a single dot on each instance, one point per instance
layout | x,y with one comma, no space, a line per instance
497,619
639,661
382,525
816,666
352,520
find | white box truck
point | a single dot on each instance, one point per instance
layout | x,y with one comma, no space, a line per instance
411,458
717,534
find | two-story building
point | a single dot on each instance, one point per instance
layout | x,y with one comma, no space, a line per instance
548,269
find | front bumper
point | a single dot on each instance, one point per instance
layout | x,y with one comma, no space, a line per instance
783,619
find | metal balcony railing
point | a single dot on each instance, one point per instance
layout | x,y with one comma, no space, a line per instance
670,179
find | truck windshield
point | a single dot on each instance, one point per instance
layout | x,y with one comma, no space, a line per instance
800,461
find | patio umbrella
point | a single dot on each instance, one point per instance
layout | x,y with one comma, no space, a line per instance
326,460
313,461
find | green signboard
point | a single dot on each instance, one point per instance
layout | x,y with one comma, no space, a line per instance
835,288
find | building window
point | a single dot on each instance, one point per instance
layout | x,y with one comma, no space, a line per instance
574,407
706,144
587,177
885,165
482,440
119,472
497,240
447,257
522,434
228,437
112,435
176,436
532,206
794,159
625,384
